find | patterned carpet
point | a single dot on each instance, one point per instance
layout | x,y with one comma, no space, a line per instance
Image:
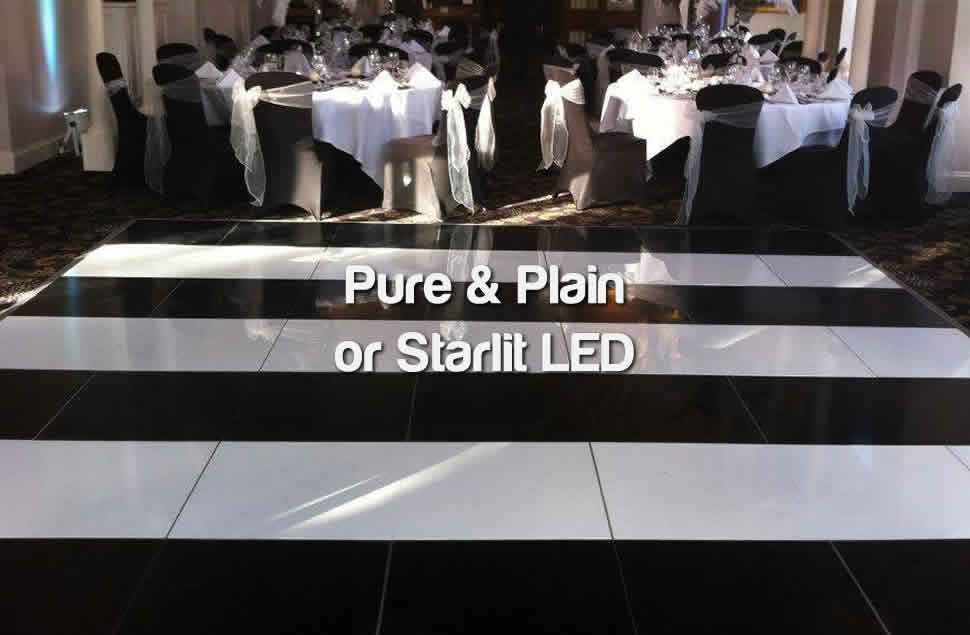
52,214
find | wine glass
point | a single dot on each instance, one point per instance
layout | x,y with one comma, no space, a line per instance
374,56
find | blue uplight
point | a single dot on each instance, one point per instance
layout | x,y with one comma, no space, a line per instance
48,31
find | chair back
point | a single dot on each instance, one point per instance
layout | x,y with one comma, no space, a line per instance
917,101
130,159
186,127
792,50
777,34
579,154
763,42
179,53
624,60
719,61
373,32
294,173
558,69
727,180
270,32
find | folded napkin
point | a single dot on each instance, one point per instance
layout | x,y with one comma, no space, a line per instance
258,41
230,79
384,82
838,90
420,77
295,62
362,67
208,71
635,83
785,95
768,57
444,33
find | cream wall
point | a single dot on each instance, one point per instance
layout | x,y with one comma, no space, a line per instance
960,73
44,52
936,44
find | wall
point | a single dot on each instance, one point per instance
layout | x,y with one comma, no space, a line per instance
936,45
44,51
959,72
883,38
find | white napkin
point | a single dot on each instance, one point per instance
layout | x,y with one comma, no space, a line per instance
384,83
635,83
420,77
444,33
785,95
295,62
768,57
362,67
838,90
230,79
208,71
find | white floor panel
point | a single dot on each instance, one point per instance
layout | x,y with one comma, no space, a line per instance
397,491
53,489
828,271
910,352
670,269
198,261
770,492
715,349
457,264
308,345
73,343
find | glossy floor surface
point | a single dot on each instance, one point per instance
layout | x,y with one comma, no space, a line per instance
789,451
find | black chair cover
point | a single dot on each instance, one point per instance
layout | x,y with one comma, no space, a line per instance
202,164
727,186
294,167
129,167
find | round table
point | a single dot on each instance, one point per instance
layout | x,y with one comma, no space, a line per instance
361,122
662,119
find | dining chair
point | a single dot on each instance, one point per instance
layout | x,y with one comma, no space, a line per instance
129,166
599,168
810,184
179,53
917,101
202,164
417,174
792,50
293,165
727,178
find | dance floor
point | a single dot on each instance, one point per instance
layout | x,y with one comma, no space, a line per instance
788,453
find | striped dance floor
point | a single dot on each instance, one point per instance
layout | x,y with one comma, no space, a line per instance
788,453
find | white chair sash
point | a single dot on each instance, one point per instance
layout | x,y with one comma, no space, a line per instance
741,116
191,61
454,103
922,93
158,147
941,155
485,141
115,85
243,134
858,163
493,55
553,134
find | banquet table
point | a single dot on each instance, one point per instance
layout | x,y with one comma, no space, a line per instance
361,122
663,119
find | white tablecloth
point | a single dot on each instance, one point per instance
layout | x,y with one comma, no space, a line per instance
362,122
662,120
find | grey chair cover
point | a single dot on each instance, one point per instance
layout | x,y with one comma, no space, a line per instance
599,168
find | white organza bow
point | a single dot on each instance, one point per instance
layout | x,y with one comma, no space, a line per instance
941,155
485,142
553,135
858,163
454,104
243,135
115,85
158,150
922,93
493,56
245,139
742,116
